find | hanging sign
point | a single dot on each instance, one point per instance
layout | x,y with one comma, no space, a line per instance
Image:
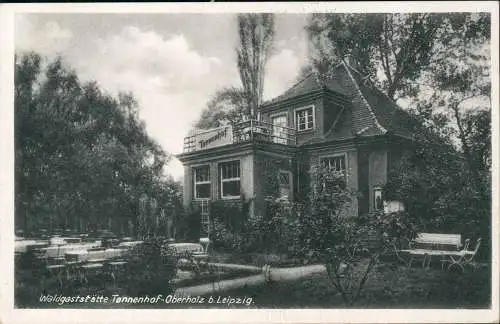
214,137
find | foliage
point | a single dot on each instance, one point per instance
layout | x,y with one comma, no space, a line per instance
440,63
228,222
433,183
83,157
189,225
232,214
226,107
402,45
223,238
256,31
343,242
151,267
234,104
232,228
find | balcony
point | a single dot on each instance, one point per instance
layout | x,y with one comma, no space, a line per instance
247,131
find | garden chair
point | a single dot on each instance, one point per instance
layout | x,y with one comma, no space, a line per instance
419,253
90,270
58,272
461,258
116,269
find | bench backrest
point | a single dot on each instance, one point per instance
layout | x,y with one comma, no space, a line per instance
439,241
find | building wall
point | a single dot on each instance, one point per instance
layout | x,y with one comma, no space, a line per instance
267,166
188,185
246,176
289,110
367,168
363,180
351,154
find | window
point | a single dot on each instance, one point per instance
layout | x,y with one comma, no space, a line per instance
202,182
304,118
378,203
279,130
336,163
230,179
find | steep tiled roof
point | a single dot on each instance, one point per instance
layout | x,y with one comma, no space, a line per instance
371,113
306,85
389,115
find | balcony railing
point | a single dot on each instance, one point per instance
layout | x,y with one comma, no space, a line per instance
247,131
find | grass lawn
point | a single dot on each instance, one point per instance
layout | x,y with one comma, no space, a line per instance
389,286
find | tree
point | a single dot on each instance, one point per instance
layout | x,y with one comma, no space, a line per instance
401,47
232,105
256,33
83,157
227,106
458,98
440,63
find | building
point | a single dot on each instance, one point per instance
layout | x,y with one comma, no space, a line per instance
342,121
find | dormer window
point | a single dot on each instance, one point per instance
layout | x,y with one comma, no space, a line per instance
304,118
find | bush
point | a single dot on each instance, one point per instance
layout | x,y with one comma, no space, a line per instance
276,232
349,247
151,268
227,221
222,237
231,214
189,225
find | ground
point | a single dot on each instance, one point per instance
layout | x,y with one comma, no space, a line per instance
391,285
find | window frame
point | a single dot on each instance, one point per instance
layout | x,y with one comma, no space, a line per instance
222,180
195,183
313,111
271,121
346,163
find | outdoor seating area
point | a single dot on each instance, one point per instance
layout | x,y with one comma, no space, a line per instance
73,258
76,259
448,248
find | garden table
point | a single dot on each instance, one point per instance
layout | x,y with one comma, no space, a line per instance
60,250
92,256
130,244
181,248
76,256
22,246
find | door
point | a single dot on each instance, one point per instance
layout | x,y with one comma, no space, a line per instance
279,129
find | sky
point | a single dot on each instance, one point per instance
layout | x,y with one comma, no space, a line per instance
172,63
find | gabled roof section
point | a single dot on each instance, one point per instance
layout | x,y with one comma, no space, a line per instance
304,86
371,112
388,113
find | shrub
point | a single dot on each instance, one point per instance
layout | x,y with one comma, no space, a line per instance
349,247
222,237
228,219
151,268
189,225
231,214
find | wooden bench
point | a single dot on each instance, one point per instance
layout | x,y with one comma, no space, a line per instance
438,241
425,245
